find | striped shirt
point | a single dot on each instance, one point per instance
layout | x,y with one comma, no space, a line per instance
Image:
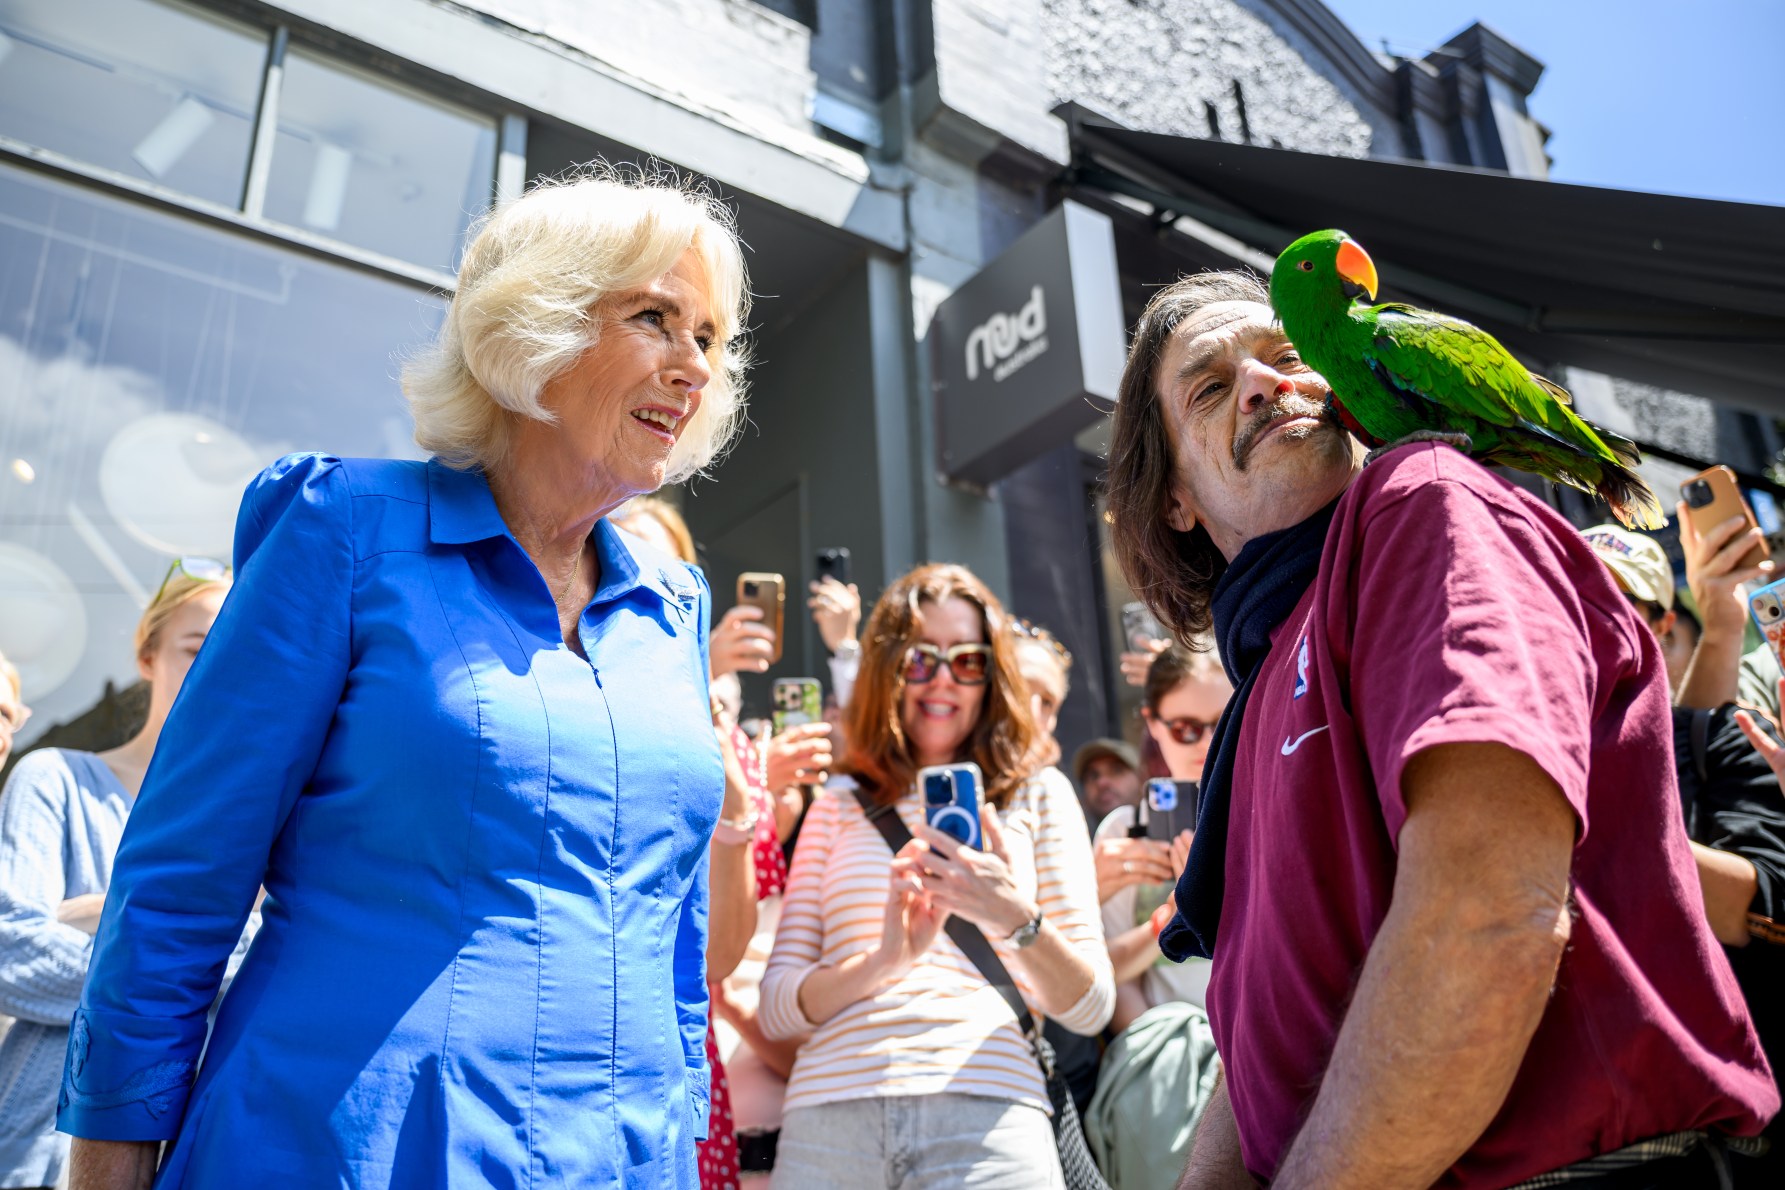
941,1027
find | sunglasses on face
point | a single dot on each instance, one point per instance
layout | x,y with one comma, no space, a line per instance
200,570
968,663
1186,731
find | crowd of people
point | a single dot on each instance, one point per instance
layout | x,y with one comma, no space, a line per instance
458,860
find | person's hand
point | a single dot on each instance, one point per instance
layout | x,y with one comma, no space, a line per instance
912,919
1180,853
741,642
1770,749
801,755
82,912
836,610
1135,664
975,885
1123,862
1712,573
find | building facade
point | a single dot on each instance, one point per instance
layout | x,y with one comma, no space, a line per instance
223,223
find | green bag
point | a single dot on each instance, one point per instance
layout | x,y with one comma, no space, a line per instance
1156,1079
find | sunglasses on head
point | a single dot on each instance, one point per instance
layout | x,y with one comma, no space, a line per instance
969,663
199,570
1186,730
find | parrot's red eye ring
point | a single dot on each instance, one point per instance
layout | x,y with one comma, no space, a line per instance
1306,266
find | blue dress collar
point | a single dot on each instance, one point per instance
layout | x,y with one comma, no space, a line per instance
461,510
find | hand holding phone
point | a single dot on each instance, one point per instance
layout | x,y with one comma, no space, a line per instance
1723,548
1767,606
951,800
741,642
768,593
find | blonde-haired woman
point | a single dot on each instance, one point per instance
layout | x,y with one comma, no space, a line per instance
458,725
912,1069
61,816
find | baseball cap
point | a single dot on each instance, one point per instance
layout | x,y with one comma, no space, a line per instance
1636,560
1122,750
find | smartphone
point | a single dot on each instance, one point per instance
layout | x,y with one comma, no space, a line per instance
834,564
768,592
797,701
1140,625
951,800
1767,606
1712,497
1168,808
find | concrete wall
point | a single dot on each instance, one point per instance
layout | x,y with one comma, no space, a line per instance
725,53
1159,66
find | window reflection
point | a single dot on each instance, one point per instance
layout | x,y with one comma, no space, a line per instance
159,93
380,167
148,368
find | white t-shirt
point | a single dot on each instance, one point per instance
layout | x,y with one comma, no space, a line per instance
1165,981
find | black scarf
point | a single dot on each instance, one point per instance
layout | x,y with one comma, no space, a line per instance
1260,588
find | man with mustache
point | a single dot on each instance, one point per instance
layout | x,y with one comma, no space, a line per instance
1440,864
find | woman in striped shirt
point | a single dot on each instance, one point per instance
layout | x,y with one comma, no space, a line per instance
912,1070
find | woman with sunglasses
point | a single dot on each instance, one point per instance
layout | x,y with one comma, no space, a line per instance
61,817
1184,694
911,1065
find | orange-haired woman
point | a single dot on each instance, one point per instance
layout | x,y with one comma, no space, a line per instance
911,1063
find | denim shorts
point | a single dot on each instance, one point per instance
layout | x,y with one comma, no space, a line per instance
918,1142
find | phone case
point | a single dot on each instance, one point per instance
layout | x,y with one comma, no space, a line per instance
1725,501
797,701
1767,606
768,592
834,564
951,800
1138,623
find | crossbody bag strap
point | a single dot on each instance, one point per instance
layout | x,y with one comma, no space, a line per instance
966,935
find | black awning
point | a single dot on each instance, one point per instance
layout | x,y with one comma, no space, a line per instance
1684,293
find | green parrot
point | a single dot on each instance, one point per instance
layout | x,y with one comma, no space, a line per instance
1398,372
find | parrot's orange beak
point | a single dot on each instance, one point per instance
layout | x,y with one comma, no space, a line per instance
1355,266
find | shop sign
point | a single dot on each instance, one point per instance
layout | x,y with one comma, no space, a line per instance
1029,351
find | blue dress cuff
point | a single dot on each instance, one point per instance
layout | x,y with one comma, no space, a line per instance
127,1077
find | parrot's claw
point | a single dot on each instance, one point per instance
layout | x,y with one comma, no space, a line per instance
1460,441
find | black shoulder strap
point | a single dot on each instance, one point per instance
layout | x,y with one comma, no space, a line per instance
1700,733
966,935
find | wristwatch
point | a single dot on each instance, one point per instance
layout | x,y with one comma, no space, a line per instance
1024,935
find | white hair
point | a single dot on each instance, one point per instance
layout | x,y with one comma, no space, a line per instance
527,289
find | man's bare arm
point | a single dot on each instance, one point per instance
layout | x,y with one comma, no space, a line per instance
1455,982
1215,1159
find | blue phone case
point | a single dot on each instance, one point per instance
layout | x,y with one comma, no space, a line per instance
951,800
1767,607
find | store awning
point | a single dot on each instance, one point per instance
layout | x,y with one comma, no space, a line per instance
1684,293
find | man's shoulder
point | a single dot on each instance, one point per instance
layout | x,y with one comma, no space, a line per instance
1421,479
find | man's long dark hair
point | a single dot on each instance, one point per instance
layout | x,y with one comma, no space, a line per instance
1174,573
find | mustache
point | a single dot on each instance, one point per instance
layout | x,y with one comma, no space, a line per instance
1286,406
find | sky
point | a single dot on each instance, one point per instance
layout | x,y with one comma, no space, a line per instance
1677,97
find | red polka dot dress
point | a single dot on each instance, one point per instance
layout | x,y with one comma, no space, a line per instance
719,1152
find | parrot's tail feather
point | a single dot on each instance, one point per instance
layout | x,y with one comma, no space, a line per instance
1553,389
1632,500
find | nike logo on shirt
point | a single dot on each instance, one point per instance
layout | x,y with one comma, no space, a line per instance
1290,745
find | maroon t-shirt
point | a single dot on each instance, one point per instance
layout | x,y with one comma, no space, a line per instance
1452,607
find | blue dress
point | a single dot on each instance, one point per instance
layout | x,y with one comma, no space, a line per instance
482,961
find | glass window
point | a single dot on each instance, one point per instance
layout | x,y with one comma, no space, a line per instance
149,367
362,161
159,93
